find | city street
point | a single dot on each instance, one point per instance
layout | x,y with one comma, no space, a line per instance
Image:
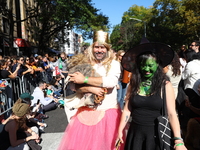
57,123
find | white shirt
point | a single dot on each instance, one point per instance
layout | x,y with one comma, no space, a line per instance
38,94
109,81
191,75
174,79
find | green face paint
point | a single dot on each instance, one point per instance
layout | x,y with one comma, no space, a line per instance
148,68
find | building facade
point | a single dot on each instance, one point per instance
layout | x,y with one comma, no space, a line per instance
72,44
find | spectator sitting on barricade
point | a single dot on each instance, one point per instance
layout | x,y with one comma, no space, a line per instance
15,133
22,70
47,102
49,90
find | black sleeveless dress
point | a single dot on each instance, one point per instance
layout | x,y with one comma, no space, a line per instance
142,130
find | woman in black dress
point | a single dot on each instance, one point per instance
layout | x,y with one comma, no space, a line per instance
144,97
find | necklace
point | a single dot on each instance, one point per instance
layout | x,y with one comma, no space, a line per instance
145,86
146,83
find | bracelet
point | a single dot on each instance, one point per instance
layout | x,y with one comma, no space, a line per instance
24,140
86,80
179,144
177,138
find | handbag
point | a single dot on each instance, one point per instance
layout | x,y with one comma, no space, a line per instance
165,134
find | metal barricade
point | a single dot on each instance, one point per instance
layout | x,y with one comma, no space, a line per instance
9,95
13,90
28,83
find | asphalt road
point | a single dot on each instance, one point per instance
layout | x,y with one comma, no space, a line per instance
57,123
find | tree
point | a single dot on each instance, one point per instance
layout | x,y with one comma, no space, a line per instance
130,31
175,22
7,12
47,18
52,17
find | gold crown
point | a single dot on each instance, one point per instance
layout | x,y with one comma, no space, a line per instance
101,37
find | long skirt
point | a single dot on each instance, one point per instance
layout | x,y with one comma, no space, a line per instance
91,130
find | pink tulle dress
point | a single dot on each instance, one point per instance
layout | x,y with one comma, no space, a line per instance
96,129
92,130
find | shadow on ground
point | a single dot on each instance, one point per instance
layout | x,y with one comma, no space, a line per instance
57,121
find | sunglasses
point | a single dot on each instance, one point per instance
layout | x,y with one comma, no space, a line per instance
27,59
192,45
22,59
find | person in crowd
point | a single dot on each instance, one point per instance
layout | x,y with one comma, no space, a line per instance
47,56
34,118
174,72
121,87
62,64
28,66
4,73
13,61
55,88
8,62
145,97
22,71
37,70
195,45
49,90
14,129
34,64
48,102
61,67
29,78
52,64
103,120
182,57
191,77
192,138
47,69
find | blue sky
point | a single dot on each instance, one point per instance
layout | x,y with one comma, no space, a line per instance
114,9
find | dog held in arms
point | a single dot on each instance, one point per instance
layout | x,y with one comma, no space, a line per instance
79,63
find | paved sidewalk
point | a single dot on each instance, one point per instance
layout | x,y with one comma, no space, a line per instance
57,123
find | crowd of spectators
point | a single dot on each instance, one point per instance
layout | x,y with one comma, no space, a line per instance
37,71
47,75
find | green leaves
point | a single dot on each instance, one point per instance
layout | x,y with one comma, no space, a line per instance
174,22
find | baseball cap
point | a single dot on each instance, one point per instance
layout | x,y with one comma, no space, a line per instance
26,95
